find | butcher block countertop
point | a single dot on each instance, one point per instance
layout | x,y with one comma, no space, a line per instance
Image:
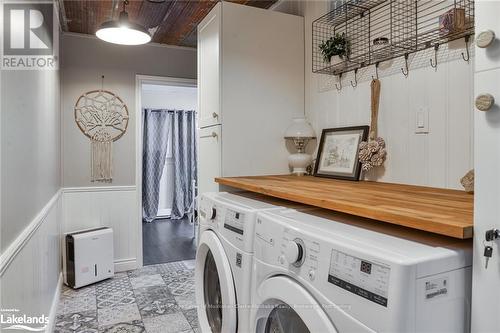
440,211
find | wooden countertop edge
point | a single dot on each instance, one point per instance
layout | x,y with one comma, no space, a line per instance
461,232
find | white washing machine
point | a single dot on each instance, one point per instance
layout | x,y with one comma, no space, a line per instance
224,261
346,274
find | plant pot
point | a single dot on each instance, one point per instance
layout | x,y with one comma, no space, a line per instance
335,60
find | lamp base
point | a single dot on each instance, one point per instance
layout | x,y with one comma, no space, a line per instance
299,162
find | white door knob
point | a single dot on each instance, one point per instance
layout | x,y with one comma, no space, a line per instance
484,102
292,252
485,38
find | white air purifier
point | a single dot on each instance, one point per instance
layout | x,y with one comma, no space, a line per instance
88,256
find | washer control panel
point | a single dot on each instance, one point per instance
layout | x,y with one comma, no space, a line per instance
361,277
234,221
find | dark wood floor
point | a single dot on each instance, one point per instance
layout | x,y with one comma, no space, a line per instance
166,240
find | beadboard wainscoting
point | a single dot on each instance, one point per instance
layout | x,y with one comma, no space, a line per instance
30,268
106,206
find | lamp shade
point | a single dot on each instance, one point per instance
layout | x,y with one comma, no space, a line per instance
123,32
299,128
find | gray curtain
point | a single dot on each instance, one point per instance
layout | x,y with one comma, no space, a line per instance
156,127
183,127
155,140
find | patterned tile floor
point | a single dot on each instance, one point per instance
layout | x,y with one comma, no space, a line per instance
154,299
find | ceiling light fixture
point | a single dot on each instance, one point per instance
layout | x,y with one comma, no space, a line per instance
123,31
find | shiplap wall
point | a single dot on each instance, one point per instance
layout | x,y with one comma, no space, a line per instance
439,158
113,206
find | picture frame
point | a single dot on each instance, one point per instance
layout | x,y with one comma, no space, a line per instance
338,152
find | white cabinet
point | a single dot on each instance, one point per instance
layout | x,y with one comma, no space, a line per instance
251,84
209,158
209,69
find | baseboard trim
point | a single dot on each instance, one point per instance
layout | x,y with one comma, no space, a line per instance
54,306
20,242
123,265
98,189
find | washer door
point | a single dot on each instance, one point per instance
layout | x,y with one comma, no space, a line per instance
215,293
286,307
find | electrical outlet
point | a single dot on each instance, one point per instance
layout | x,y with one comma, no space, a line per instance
422,120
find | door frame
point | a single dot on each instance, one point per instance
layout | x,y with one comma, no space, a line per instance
139,81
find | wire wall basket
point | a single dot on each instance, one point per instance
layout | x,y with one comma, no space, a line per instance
380,30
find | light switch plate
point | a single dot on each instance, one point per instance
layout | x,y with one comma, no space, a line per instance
422,120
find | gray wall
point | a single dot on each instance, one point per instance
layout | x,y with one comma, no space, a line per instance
85,59
30,143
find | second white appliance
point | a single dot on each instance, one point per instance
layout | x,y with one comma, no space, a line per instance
329,275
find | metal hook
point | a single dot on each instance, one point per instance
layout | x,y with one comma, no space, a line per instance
354,85
376,72
467,49
435,63
407,71
339,86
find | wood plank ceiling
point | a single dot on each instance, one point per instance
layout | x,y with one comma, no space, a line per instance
170,22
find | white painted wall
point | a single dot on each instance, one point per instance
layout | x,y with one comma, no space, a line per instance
30,220
30,144
162,96
438,159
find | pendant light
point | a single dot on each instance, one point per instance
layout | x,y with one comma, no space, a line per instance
123,31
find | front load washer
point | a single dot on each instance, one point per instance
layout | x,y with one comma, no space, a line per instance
347,274
224,261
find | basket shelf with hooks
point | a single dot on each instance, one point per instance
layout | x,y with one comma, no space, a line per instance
381,30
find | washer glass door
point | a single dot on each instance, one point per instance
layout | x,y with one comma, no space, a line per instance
285,306
212,293
284,319
214,285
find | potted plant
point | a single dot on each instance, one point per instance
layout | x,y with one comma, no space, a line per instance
335,49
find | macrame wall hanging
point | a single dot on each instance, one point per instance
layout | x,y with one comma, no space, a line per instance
103,117
372,153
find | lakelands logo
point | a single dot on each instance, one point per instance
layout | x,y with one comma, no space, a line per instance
12,319
28,36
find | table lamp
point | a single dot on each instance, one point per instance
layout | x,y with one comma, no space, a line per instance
299,132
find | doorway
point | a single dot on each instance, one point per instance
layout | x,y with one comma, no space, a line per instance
167,112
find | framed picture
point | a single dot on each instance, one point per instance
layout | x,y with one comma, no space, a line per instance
338,152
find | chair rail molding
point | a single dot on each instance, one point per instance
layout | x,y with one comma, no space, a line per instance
99,188
24,237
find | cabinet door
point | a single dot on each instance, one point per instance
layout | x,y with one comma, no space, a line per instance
209,68
485,282
209,158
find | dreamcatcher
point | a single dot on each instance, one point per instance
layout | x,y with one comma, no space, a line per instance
103,117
